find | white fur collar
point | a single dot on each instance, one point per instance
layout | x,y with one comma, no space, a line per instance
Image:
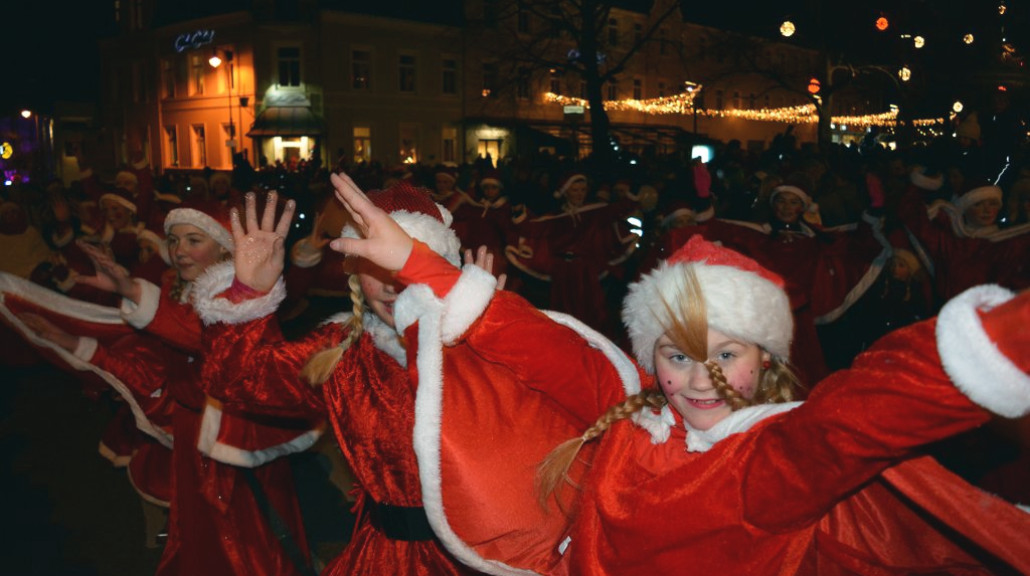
739,421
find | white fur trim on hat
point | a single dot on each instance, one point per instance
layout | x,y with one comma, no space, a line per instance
209,225
973,361
565,186
739,304
129,205
437,235
793,190
921,180
975,195
211,308
162,246
492,181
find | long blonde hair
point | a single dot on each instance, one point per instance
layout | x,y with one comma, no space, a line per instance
688,330
320,366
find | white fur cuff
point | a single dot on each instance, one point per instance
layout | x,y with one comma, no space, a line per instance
212,308
141,314
466,302
972,360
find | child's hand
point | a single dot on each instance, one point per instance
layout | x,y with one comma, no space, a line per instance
384,242
485,260
110,276
261,248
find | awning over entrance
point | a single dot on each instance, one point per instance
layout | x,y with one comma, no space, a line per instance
286,121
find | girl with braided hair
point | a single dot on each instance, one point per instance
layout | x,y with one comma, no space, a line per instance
353,369
707,465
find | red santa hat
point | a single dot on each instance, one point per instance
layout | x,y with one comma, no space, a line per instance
743,300
424,220
491,176
119,196
920,179
976,192
211,217
567,181
784,188
126,180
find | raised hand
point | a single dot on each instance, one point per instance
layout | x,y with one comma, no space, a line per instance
317,239
383,241
484,259
110,276
47,330
261,247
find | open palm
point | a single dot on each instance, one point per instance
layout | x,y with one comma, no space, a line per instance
261,246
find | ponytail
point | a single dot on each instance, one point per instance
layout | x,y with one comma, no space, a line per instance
321,366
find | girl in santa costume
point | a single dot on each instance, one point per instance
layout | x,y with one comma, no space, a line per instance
708,467
224,518
353,369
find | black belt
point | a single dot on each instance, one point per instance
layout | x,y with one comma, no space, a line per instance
407,523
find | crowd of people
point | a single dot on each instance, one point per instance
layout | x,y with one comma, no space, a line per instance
752,307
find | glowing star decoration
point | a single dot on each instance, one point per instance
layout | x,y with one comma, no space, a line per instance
905,74
919,41
968,38
787,29
6,150
882,23
957,106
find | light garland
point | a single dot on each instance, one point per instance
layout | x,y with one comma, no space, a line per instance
682,104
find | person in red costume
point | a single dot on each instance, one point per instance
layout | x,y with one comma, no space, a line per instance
353,369
217,524
707,468
486,219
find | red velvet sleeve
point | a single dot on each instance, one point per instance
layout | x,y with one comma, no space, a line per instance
427,267
176,324
855,424
250,367
138,361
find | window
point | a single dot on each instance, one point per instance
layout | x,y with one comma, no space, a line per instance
198,66
228,135
613,90
198,145
523,84
736,99
523,22
638,89
718,100
661,89
171,146
450,144
289,65
489,79
406,73
450,76
362,144
613,32
555,81
167,79
638,32
361,70
489,149
409,144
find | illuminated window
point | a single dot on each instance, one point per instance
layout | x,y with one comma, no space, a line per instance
198,146
289,65
409,144
406,73
489,149
171,146
450,144
489,79
361,70
198,68
450,76
362,144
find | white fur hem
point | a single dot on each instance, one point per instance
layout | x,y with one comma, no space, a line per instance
141,314
209,445
85,349
212,309
972,360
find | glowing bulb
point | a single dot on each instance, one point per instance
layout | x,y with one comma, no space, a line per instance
957,106
882,23
919,41
968,38
787,29
26,113
214,61
905,74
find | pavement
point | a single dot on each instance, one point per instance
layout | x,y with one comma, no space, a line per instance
68,512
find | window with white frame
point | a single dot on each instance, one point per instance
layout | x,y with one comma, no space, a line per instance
171,146
167,79
288,65
406,73
362,144
361,70
198,145
198,69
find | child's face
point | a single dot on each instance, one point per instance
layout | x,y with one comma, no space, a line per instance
118,216
576,194
688,386
900,270
379,289
984,212
192,250
788,207
444,183
490,191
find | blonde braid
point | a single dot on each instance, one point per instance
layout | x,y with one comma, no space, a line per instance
321,366
725,391
554,470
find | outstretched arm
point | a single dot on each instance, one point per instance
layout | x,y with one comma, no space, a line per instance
383,241
260,246
110,276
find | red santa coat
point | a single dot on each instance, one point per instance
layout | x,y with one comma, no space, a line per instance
484,223
773,491
369,400
959,257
